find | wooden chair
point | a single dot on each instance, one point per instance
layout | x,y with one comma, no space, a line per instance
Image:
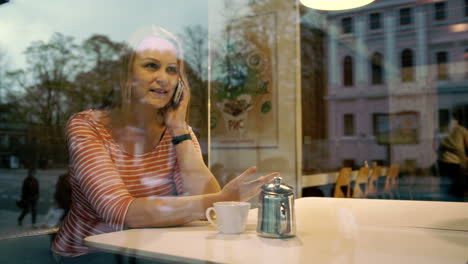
391,182
360,184
372,186
342,186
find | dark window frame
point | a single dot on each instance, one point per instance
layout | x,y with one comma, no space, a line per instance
350,163
466,8
465,59
442,65
377,69
347,25
444,120
406,16
349,127
375,21
440,11
348,71
407,65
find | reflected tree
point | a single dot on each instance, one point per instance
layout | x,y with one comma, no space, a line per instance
195,43
49,72
3,75
93,85
61,78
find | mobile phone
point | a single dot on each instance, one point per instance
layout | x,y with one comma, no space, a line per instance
178,93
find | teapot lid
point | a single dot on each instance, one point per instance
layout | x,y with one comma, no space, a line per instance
276,187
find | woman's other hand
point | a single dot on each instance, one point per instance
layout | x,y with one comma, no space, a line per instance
240,189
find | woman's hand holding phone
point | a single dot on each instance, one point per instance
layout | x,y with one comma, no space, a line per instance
175,114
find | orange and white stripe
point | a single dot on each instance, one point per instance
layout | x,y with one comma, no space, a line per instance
106,179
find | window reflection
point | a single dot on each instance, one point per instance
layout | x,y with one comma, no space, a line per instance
405,16
375,21
348,78
440,11
377,68
442,66
406,70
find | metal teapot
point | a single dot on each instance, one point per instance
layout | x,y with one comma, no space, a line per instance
276,210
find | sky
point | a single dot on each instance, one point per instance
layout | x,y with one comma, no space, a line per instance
25,21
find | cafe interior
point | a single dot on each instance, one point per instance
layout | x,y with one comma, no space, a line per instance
351,102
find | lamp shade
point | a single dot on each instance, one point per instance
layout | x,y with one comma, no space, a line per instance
335,4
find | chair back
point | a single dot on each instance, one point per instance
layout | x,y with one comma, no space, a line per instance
391,181
360,184
372,187
342,187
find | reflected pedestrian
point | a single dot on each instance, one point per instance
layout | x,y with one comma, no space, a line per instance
63,193
453,159
29,197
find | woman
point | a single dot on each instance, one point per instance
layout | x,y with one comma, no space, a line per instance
137,163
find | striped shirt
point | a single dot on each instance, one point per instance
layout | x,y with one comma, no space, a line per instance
105,179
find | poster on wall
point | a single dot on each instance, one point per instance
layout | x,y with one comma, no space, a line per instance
244,88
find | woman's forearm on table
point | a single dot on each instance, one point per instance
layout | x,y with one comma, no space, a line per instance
169,211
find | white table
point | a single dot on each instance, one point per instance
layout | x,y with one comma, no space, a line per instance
330,230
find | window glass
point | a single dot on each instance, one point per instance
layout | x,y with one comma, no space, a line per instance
375,21
442,65
347,25
348,76
440,11
444,120
466,7
268,83
405,16
350,163
465,60
348,125
407,70
377,68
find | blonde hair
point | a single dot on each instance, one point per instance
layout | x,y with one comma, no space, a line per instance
122,94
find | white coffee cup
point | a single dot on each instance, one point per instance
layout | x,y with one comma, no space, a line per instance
231,216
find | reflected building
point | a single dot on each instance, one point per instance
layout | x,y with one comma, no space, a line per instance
396,69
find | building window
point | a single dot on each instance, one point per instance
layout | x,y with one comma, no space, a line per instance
466,7
380,124
378,162
407,69
4,141
442,65
405,16
440,11
14,141
444,120
347,25
349,163
410,165
375,21
348,124
465,59
348,71
377,68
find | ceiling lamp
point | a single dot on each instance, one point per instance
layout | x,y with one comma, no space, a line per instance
332,5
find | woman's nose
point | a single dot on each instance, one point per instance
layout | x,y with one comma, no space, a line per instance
161,77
